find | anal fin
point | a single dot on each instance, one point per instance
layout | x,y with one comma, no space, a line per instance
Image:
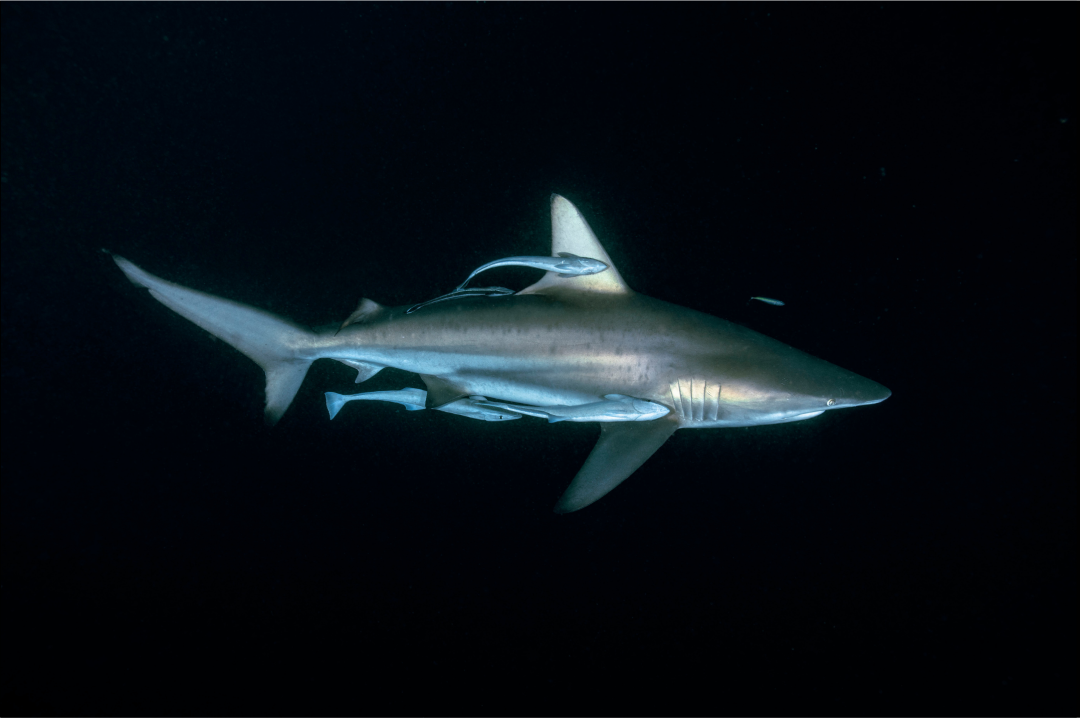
621,449
364,370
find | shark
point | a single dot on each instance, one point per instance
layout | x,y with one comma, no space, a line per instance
562,342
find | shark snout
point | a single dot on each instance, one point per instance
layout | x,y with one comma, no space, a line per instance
867,392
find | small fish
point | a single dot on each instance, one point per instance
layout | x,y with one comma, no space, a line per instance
774,302
615,407
411,399
474,407
568,265
460,293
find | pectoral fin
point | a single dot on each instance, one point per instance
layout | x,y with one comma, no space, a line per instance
620,450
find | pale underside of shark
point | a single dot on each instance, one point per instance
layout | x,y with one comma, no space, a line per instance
562,342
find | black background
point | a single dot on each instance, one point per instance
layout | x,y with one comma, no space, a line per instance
903,176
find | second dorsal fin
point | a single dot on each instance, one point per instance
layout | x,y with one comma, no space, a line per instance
365,312
570,233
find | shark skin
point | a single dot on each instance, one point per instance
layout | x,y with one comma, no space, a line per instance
564,341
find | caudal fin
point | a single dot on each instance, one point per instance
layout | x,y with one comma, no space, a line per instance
334,402
281,348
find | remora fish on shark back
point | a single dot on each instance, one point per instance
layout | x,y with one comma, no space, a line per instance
456,294
564,264
562,342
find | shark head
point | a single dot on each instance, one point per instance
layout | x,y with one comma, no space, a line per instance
773,383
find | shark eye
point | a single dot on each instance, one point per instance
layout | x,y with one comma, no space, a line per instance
830,402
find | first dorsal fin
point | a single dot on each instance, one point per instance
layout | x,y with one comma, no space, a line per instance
571,234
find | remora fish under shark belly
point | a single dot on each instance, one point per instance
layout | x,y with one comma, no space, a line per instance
562,342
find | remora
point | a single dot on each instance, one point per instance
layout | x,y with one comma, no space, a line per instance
562,341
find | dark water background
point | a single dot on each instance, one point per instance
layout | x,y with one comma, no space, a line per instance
903,176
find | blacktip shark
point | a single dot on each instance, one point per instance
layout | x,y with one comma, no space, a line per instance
561,342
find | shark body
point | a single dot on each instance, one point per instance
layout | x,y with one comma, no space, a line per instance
562,342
